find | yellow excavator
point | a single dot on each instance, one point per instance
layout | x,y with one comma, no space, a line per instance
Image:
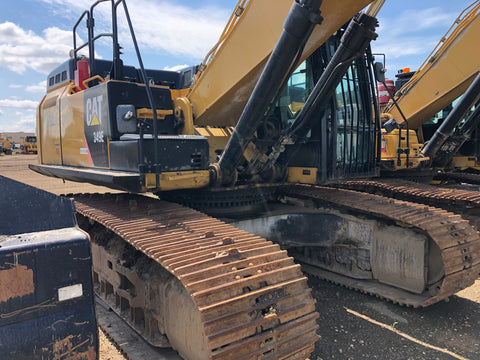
6,147
447,73
424,137
250,136
29,146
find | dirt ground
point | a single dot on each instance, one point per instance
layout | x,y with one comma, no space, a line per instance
108,350
351,325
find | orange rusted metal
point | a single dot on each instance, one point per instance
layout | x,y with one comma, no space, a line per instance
243,296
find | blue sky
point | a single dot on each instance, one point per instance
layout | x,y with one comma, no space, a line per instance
35,36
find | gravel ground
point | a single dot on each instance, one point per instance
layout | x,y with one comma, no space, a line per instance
351,325
108,350
358,326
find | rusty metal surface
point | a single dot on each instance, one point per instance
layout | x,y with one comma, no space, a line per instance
132,346
252,300
461,201
458,241
464,177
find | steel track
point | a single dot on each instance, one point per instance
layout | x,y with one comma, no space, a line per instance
458,241
252,300
459,201
465,177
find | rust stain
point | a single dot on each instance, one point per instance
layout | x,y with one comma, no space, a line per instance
65,348
16,282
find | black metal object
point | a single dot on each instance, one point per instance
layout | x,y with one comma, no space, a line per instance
31,209
122,93
46,291
342,141
298,229
402,79
469,99
299,24
120,180
223,202
177,153
117,68
355,41
460,136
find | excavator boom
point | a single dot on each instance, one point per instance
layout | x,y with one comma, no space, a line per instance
445,74
221,90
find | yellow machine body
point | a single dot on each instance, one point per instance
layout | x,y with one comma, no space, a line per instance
222,88
443,77
445,74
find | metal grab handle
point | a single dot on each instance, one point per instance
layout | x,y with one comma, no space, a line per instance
95,77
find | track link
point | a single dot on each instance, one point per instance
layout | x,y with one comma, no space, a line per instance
457,240
248,299
463,177
459,201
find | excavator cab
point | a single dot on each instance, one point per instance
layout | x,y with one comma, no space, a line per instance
341,143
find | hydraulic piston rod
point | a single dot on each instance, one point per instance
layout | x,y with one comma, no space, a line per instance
299,24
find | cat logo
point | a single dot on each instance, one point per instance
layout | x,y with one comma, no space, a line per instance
94,110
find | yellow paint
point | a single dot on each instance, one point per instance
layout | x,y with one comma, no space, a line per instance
183,107
48,127
222,89
73,133
445,75
217,139
145,113
178,180
465,162
302,175
94,120
390,144
179,93
96,77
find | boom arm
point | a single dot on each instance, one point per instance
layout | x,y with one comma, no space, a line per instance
446,130
445,74
222,89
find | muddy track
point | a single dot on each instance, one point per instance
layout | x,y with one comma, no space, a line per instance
457,240
468,178
249,299
459,201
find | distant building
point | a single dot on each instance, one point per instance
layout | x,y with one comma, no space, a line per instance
16,137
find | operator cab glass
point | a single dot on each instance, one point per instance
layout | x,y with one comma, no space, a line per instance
341,143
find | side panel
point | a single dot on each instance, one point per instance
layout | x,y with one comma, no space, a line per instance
85,128
46,297
96,123
48,128
74,150
46,292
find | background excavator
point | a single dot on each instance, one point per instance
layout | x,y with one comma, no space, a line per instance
30,146
424,137
6,147
251,135
448,72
